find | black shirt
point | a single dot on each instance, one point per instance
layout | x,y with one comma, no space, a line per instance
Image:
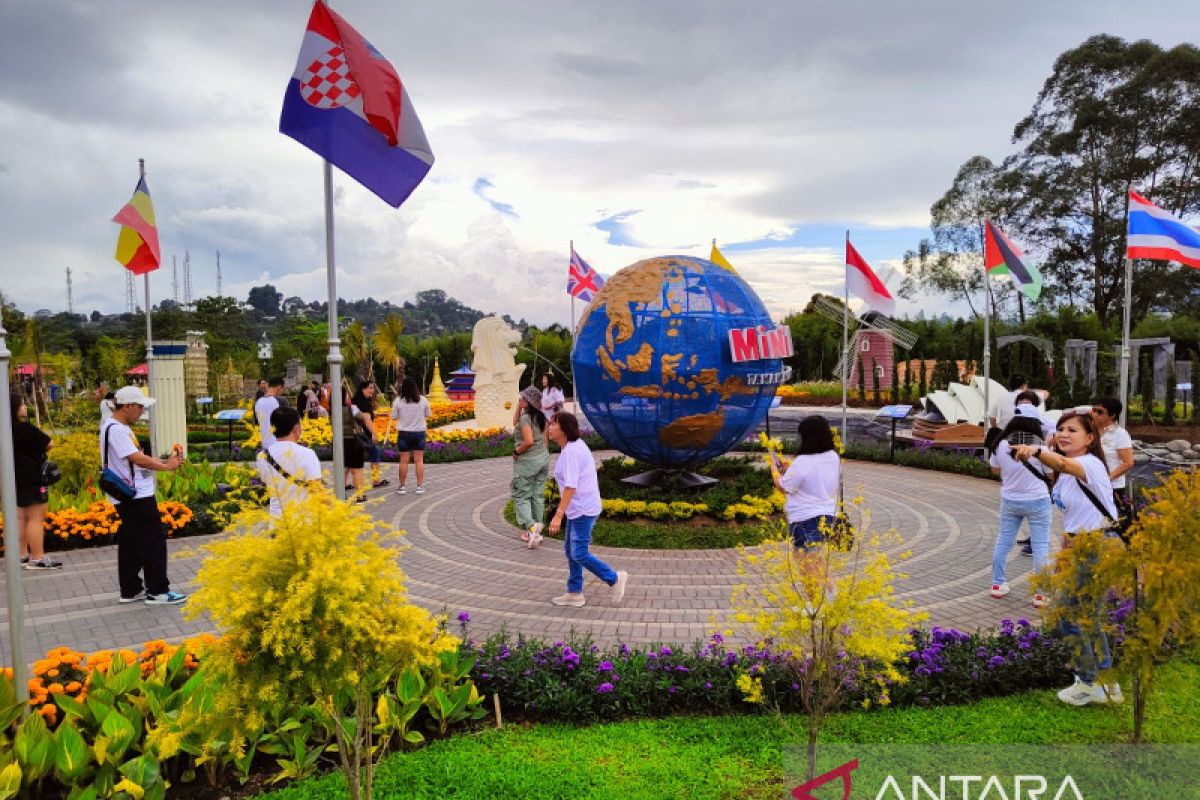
29,445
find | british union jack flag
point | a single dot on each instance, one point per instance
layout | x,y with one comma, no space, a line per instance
582,281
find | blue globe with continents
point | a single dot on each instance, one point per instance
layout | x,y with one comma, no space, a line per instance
676,359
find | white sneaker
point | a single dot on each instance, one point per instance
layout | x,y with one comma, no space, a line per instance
401,490
1108,693
575,600
999,589
420,489
618,589
1040,601
1081,693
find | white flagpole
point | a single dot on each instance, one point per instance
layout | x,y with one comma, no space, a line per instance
1125,339
150,415
987,328
845,339
12,536
335,352
575,389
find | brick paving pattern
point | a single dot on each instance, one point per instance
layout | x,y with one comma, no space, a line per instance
464,557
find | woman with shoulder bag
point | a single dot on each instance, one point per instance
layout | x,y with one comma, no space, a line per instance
1083,491
33,492
354,429
531,465
1024,496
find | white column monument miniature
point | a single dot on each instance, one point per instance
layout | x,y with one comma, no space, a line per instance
497,373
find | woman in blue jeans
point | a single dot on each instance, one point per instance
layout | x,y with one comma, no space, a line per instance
1024,495
575,474
1084,493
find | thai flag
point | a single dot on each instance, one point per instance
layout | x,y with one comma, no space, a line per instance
1158,234
345,102
582,281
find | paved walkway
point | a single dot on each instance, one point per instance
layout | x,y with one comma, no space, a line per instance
464,557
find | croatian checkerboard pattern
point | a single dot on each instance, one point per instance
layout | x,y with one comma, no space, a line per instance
327,82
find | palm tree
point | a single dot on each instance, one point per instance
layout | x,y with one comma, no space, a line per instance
388,335
360,355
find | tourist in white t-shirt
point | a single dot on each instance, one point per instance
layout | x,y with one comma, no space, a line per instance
411,411
1117,446
141,540
288,469
578,510
810,484
264,407
1079,464
1024,495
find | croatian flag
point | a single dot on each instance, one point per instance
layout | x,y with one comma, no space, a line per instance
1158,234
862,282
582,281
345,102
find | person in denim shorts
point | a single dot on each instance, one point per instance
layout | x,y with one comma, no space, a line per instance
411,411
810,483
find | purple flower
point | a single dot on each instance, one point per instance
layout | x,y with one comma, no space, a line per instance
464,617
682,668
707,685
666,651
995,661
604,688
604,666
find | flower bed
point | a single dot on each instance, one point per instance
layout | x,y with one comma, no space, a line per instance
318,432
575,681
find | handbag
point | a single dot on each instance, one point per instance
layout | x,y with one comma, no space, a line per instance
113,483
50,474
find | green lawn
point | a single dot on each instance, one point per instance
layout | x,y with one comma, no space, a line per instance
739,757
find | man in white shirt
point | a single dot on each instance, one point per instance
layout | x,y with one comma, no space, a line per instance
1117,445
264,407
141,540
288,469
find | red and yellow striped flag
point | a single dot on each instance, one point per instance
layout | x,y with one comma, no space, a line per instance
137,245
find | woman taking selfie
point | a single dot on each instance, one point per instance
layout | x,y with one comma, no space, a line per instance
1083,491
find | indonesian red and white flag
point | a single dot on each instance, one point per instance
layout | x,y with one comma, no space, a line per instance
862,282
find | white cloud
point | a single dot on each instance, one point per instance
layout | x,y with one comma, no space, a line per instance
707,119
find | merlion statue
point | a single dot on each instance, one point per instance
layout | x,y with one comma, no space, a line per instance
497,373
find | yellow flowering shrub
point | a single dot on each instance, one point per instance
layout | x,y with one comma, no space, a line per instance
309,605
835,611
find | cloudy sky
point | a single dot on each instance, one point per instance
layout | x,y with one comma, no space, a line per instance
633,128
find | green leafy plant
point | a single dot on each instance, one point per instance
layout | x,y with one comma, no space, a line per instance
313,612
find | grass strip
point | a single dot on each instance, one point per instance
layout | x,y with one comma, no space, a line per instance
741,756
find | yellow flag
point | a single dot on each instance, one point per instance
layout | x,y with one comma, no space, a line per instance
720,260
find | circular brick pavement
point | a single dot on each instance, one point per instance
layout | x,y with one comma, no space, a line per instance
463,556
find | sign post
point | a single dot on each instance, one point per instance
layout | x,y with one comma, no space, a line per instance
894,413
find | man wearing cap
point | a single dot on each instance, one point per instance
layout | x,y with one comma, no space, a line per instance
141,540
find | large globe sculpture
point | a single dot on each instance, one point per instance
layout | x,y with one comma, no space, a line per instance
653,367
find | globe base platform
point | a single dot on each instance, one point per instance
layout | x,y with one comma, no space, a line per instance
677,479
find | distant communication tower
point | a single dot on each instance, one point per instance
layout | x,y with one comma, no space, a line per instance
187,278
130,299
174,281
218,273
70,294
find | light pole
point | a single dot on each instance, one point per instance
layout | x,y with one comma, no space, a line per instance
12,537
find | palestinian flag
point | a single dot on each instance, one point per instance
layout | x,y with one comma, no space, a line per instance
1002,257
